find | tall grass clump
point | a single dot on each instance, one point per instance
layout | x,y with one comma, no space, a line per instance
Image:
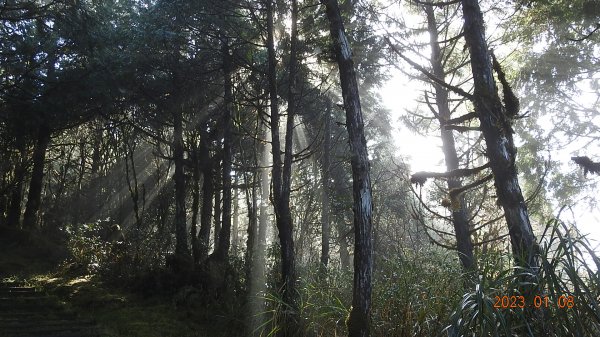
415,293
566,289
323,304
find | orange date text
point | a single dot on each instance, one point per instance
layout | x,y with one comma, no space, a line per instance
537,302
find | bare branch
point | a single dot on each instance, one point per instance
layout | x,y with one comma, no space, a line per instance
456,191
586,36
438,215
461,129
461,119
421,177
487,223
476,244
427,73
437,3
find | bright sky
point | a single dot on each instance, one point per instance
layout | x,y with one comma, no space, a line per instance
425,154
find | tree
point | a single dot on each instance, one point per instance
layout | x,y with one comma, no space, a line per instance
325,186
556,71
281,178
222,248
496,126
358,322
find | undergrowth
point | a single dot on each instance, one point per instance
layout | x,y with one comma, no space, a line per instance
415,293
424,294
563,300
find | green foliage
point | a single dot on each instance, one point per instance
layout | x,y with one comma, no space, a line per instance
569,267
413,293
421,293
91,249
322,304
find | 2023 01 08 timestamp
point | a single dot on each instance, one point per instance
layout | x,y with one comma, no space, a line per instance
537,302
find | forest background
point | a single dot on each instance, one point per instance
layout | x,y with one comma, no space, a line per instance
312,167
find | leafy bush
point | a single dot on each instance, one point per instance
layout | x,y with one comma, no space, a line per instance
90,248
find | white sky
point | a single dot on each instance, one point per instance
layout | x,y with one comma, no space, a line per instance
425,153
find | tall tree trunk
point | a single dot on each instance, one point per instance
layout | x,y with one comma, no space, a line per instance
263,217
131,179
222,248
96,151
497,131
30,218
460,218
252,231
82,162
343,242
13,216
358,322
325,166
282,175
235,234
257,282
217,176
195,203
182,251
207,197
3,196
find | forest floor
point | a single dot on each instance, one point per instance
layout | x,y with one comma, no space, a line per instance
32,261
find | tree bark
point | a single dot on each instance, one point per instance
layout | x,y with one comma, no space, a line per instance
31,216
182,251
460,218
263,217
222,248
96,151
282,175
358,322
257,281
497,131
217,203
325,166
207,197
195,203
252,231
13,217
235,230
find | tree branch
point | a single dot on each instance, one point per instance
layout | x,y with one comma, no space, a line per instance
461,129
427,73
457,191
461,119
586,36
436,4
421,177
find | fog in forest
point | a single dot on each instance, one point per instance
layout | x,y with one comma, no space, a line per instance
299,168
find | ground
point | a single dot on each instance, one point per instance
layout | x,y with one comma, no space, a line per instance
32,260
